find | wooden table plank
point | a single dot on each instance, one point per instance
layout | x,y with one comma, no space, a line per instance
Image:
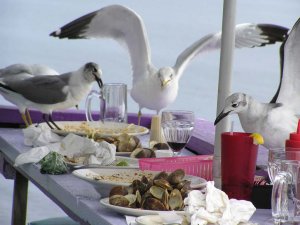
19,209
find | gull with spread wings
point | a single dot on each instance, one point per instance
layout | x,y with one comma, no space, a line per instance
277,119
154,88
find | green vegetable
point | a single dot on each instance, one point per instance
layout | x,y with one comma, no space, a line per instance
53,163
122,163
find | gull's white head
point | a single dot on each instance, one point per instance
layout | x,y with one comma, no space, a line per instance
235,103
166,75
92,72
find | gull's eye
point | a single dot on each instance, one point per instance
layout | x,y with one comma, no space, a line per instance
94,70
171,76
234,105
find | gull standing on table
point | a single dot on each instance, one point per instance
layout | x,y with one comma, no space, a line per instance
154,88
48,93
275,120
20,71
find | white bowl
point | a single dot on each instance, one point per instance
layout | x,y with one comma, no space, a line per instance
104,179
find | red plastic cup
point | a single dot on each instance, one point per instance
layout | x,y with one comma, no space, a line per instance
238,163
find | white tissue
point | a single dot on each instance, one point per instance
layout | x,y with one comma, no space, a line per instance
39,135
169,217
214,207
72,145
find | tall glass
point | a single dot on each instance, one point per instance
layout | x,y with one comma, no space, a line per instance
286,193
177,126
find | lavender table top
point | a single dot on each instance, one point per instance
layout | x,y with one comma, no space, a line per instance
75,196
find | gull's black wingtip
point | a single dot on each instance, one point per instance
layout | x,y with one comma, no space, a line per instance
274,33
75,29
54,34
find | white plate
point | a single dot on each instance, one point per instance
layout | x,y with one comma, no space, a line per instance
125,177
158,220
107,178
104,129
131,211
133,163
125,154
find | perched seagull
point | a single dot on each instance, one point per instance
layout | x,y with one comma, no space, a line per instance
47,93
273,121
154,88
20,71
277,119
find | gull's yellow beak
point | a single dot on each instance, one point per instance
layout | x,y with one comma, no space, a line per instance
164,83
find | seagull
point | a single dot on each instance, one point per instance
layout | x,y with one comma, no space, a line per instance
273,121
20,72
47,92
155,88
277,119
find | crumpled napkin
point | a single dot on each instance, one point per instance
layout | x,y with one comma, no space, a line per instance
72,145
214,207
39,135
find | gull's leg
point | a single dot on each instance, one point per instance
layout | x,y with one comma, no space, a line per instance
46,119
28,116
25,119
51,120
139,117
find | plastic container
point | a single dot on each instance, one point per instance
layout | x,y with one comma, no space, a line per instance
200,165
239,157
293,143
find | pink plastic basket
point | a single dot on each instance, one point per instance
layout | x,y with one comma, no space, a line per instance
200,165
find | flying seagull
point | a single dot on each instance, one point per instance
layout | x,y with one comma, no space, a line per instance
277,119
47,92
154,88
20,72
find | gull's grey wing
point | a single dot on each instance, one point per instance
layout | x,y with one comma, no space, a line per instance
41,89
289,91
116,22
21,69
246,35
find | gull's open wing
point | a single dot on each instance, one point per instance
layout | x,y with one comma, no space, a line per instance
116,22
246,35
289,89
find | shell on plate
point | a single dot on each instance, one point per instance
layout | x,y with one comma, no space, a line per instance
153,194
143,153
128,143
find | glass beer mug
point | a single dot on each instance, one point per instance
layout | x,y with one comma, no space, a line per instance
113,103
286,193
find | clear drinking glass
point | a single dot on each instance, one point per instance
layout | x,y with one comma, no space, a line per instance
177,126
276,156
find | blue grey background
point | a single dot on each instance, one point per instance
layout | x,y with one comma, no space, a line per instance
172,25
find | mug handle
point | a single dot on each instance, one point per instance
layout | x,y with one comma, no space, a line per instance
88,113
279,201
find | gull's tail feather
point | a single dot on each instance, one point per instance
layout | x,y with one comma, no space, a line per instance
3,85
